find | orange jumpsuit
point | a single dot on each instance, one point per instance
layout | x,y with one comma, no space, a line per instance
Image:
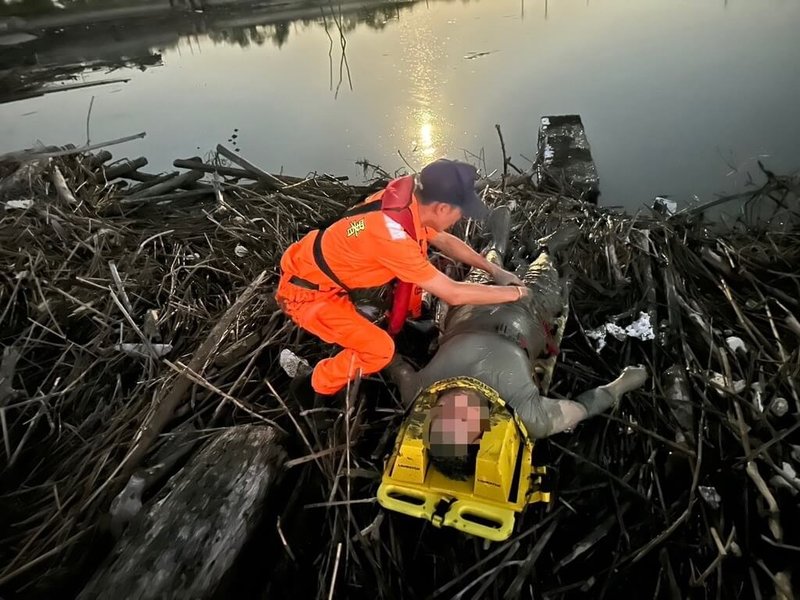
363,251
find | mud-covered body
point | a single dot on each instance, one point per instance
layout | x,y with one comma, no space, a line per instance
491,349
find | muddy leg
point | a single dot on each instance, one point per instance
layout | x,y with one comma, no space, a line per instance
404,377
556,416
547,292
560,415
604,397
499,226
540,270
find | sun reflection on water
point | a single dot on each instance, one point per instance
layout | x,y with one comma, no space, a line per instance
424,129
425,145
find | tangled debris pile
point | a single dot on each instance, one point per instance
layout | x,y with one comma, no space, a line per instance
137,320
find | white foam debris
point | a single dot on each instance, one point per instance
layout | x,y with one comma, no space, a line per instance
144,349
290,362
665,205
545,121
20,204
599,336
616,331
735,344
640,329
736,387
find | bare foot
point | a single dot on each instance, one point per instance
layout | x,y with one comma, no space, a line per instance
632,378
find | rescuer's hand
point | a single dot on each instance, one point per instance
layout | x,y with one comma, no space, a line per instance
503,277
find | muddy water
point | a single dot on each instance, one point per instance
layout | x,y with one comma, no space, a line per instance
678,98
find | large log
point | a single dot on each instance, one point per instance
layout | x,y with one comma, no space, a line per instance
188,540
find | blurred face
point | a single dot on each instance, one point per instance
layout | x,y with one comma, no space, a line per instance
460,420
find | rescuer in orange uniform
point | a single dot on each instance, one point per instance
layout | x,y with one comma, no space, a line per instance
385,238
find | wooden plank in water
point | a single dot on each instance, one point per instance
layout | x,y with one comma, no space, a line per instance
564,153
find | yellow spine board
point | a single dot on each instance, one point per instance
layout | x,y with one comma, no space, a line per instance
505,480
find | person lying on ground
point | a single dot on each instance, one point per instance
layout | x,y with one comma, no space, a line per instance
496,345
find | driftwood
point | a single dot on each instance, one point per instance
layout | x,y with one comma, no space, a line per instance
686,489
325,182
148,180
49,89
170,197
185,543
195,164
67,150
166,404
168,185
98,159
272,182
124,167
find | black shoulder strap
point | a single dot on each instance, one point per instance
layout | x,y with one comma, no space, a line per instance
319,257
323,265
362,209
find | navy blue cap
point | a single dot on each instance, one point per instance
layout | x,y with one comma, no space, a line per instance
452,182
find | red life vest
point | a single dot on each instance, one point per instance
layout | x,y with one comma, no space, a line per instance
395,203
